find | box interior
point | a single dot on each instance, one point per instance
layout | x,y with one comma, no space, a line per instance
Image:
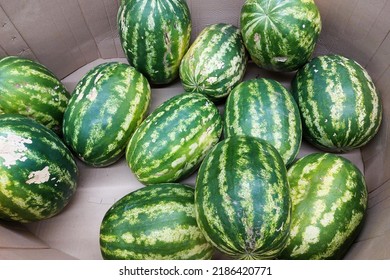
71,37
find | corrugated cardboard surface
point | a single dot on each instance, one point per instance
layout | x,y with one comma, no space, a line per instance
67,35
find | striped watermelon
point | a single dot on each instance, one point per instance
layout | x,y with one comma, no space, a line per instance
329,201
154,222
340,107
173,139
106,106
242,198
215,62
30,89
280,35
155,35
38,174
264,108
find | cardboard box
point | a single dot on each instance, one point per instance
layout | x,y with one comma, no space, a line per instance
70,37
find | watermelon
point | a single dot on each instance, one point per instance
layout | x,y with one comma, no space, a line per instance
333,191
155,35
280,35
340,107
215,62
109,102
38,174
264,108
242,198
173,140
30,89
154,222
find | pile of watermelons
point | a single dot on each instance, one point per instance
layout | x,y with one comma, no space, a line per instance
252,198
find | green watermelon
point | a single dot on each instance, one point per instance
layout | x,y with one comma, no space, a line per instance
215,62
264,108
154,222
30,89
38,175
329,201
155,35
340,107
242,198
172,141
280,35
106,106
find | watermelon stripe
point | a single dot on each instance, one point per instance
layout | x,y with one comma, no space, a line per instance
240,201
106,107
215,62
155,222
155,36
280,35
339,104
38,173
185,127
334,192
30,89
264,109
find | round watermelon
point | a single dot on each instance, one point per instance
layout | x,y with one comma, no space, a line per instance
265,109
215,63
155,35
38,174
280,35
173,140
30,89
155,222
340,107
242,198
106,106
329,201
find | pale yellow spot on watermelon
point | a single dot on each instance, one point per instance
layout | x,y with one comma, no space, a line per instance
156,211
161,173
311,235
39,177
294,231
340,237
212,80
128,237
257,37
170,235
327,219
193,148
98,77
280,59
4,181
13,149
179,161
80,96
318,208
108,238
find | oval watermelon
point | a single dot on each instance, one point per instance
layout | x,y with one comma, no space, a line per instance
215,62
154,222
155,35
173,140
264,108
329,201
242,198
30,89
38,174
280,35
340,107
106,106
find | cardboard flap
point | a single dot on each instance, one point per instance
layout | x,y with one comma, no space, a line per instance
14,235
37,254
